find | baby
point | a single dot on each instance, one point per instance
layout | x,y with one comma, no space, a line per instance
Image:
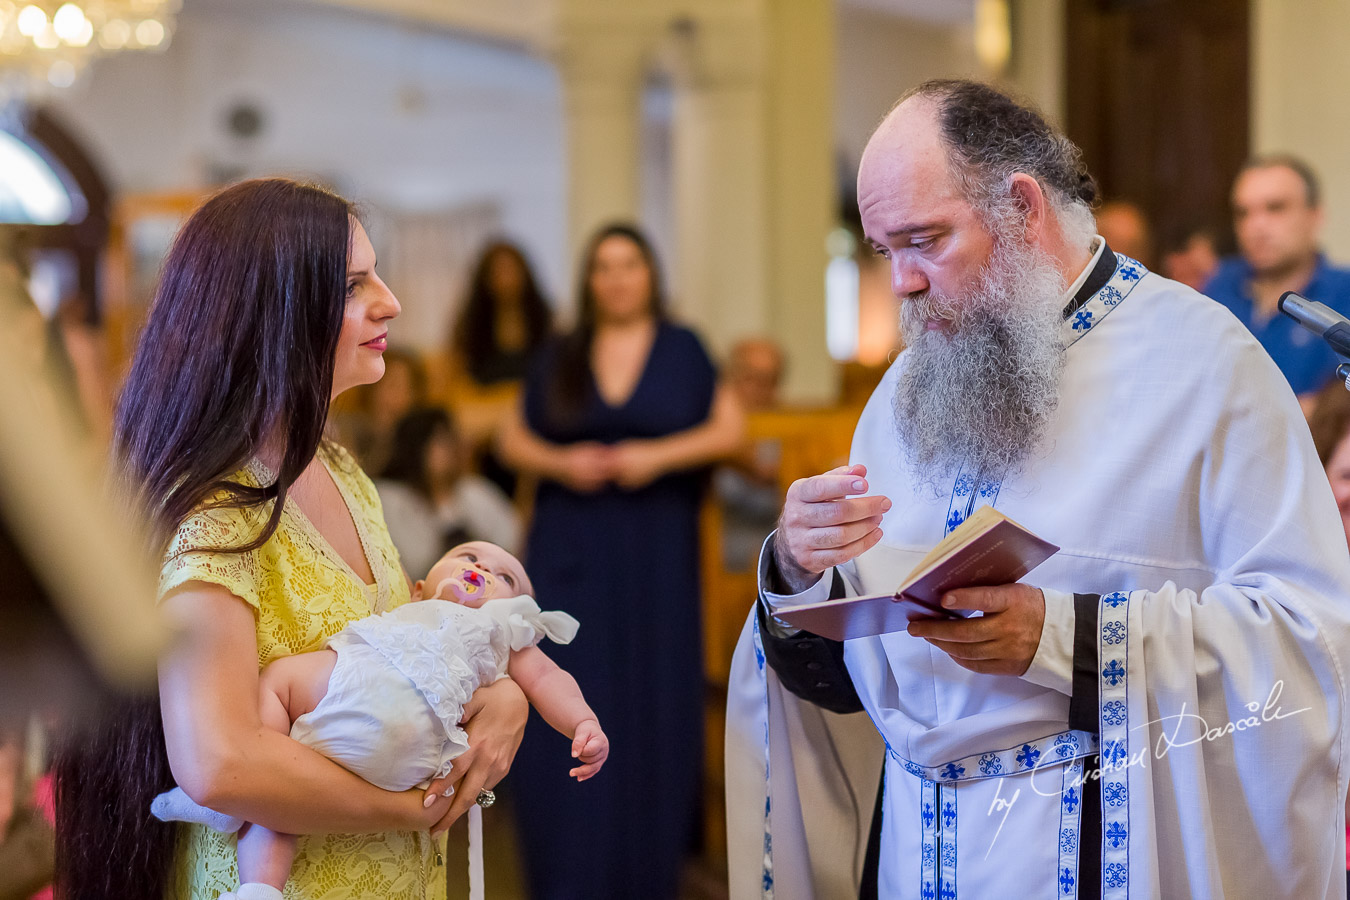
411,671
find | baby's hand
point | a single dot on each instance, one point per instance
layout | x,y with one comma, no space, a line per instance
591,747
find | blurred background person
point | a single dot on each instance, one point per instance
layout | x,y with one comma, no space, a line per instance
746,486
502,325
1191,257
1126,229
431,501
365,424
79,623
1330,424
619,420
504,319
1278,217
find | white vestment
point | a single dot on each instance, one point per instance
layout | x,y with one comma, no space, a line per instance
1180,481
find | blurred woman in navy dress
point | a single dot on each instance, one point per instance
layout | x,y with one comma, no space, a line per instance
619,421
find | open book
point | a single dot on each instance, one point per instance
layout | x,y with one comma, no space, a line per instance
987,549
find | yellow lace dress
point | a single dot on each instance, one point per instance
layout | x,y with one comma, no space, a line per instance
303,593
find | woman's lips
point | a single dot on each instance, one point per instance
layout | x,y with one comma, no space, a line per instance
380,343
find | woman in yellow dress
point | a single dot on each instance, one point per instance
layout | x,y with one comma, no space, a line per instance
269,306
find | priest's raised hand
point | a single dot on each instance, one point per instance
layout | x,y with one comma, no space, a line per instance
825,524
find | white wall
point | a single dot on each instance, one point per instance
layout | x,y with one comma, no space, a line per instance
1300,95
402,118
879,58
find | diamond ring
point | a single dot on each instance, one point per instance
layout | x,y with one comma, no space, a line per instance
486,798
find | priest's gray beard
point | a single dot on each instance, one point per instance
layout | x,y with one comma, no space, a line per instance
984,393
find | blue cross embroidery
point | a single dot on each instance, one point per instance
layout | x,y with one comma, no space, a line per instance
768,882
929,854
948,891
1066,745
759,658
1114,794
1113,713
954,520
1070,800
928,815
1110,296
928,893
952,771
1114,632
948,815
1129,272
1066,881
1115,835
949,855
1114,600
1068,840
990,764
989,488
1114,672
1028,755
1083,320
964,485
1114,753
1115,875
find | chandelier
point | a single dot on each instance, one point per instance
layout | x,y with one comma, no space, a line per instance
46,44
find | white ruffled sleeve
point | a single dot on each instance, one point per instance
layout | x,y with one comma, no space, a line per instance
525,624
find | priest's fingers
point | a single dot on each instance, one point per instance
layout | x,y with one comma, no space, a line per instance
961,651
839,512
835,536
820,560
994,599
997,657
833,485
957,631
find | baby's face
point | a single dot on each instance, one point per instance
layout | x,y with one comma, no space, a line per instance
475,572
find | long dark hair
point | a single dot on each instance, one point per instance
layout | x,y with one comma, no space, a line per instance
573,379
238,352
474,335
408,458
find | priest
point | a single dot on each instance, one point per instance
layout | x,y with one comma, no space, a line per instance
1159,711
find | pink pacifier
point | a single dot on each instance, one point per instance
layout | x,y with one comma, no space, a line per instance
467,583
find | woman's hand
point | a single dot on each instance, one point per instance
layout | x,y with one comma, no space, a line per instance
637,463
494,719
586,467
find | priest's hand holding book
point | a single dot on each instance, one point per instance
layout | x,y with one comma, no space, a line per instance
963,597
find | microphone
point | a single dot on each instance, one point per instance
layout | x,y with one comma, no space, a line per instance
1320,319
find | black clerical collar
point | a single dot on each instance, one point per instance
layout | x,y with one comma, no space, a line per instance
1101,273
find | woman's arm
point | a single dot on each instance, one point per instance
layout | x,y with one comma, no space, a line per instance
584,467
640,462
223,756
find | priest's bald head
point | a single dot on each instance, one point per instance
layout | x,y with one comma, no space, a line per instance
983,212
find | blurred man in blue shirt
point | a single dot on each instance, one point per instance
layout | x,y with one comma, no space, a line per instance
1277,217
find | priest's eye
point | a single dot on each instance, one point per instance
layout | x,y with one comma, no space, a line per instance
881,251
923,243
